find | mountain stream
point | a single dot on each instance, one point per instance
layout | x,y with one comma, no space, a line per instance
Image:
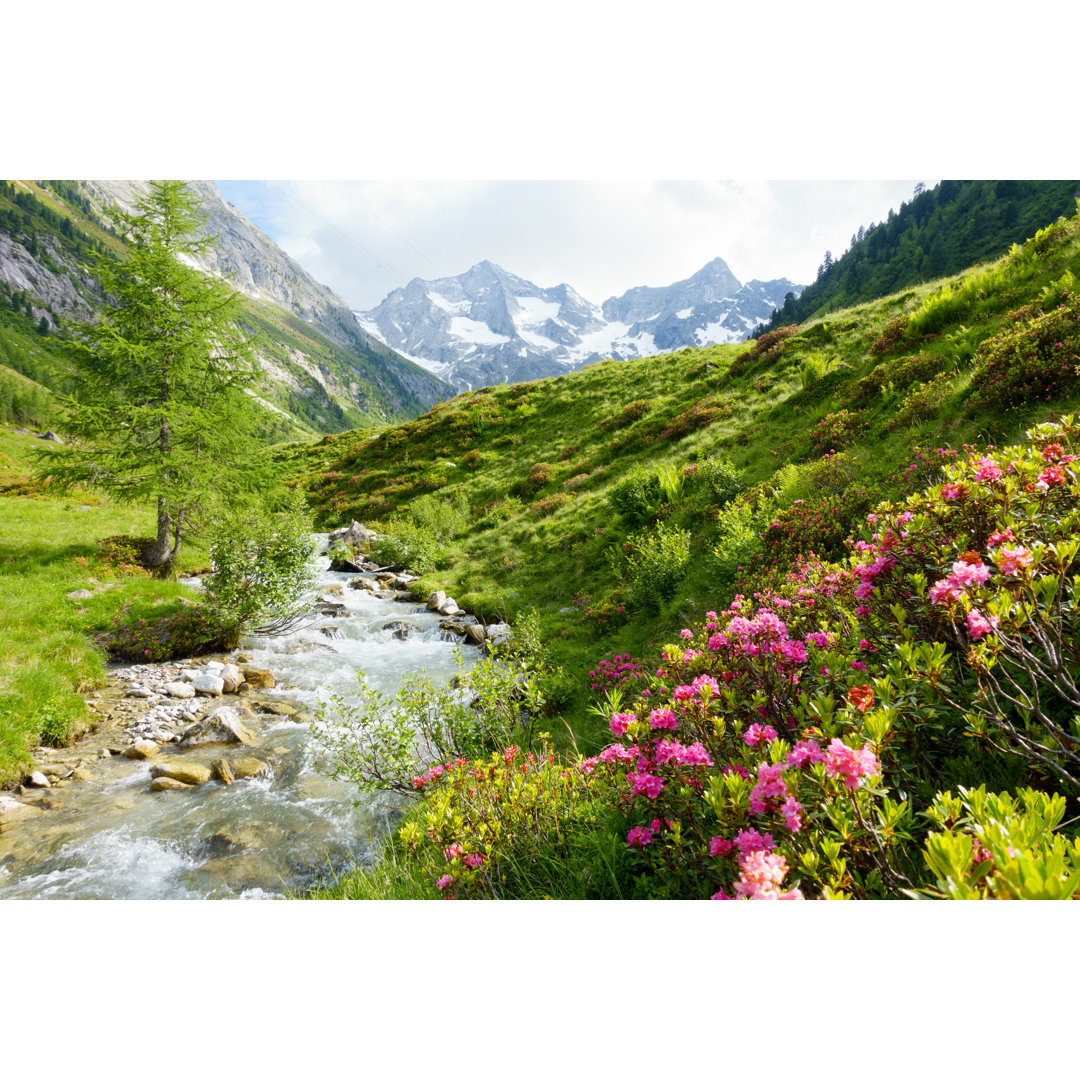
110,837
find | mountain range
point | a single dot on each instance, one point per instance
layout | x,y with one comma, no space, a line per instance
489,326
323,372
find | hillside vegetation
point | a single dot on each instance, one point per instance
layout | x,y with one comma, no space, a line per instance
941,231
616,510
51,232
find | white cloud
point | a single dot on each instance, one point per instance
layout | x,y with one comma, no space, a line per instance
365,238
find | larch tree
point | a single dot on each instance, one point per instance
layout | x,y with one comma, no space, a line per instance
159,404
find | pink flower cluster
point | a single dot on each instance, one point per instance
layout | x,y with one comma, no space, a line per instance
851,765
761,875
758,733
1011,560
964,576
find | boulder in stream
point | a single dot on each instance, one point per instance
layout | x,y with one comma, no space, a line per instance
226,724
187,772
258,678
11,810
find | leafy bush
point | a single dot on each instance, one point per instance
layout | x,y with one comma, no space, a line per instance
382,743
714,480
189,632
697,416
631,412
124,554
836,430
638,495
1001,847
923,402
549,504
263,571
1033,359
892,336
654,561
766,349
405,545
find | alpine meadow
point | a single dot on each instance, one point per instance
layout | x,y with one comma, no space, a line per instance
785,617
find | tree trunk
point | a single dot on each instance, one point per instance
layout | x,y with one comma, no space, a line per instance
158,554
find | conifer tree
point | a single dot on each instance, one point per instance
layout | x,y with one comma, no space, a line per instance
159,403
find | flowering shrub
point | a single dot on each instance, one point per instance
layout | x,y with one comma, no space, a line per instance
617,672
1001,847
511,825
810,526
576,481
603,614
631,412
891,336
723,804
697,416
766,349
983,564
836,430
189,632
540,475
923,401
549,504
123,554
1033,359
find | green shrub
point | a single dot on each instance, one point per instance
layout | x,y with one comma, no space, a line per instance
263,570
923,402
654,561
633,411
406,545
638,495
1034,358
713,480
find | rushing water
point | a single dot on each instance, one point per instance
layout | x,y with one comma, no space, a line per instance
111,837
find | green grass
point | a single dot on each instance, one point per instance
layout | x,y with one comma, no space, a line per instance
47,656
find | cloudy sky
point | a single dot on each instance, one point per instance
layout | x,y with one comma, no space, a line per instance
365,238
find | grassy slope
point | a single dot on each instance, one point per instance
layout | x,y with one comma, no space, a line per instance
521,551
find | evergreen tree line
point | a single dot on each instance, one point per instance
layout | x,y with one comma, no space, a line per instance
941,231
24,216
23,403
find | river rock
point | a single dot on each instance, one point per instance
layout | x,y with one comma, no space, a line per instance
248,768
187,772
11,811
209,685
142,748
168,783
279,708
335,611
336,590
258,678
225,724
222,770
436,600
231,678
38,780
475,633
364,583
180,690
498,633
449,607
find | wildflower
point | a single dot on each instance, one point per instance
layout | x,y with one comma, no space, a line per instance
1050,477
791,808
473,860
761,876
805,751
445,881
750,840
979,625
1011,560
686,635
719,847
452,852
663,718
862,697
639,836
757,733
851,765
620,721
